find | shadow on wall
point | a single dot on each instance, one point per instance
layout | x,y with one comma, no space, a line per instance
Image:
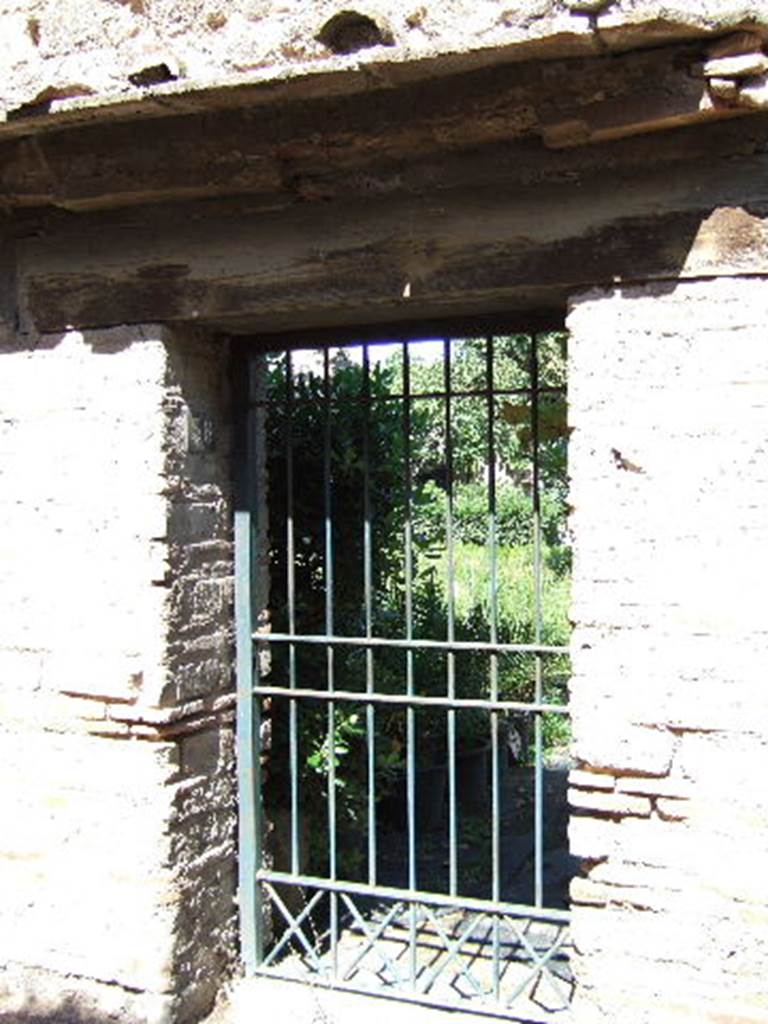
30,997
67,1012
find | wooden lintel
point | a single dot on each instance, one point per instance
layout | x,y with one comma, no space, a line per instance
8,285
401,259
370,143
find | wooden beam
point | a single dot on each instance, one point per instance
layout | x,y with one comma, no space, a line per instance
8,286
404,257
665,97
369,143
300,150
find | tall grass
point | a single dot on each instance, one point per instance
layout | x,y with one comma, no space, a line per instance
515,590
516,618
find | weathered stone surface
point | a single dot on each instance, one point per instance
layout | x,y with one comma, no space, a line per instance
669,558
517,241
115,678
591,780
69,406
735,45
626,22
724,88
675,787
40,995
754,93
608,741
613,804
629,873
81,53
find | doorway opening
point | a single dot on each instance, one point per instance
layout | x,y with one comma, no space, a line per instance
403,574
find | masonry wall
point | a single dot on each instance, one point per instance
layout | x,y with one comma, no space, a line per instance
78,49
68,54
116,748
669,409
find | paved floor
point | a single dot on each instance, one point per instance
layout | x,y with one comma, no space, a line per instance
296,1003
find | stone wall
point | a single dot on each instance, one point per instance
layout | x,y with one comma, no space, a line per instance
669,408
88,52
117,847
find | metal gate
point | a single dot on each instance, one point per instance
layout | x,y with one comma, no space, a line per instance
401,608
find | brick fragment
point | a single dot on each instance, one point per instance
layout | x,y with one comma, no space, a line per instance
741,66
590,780
619,804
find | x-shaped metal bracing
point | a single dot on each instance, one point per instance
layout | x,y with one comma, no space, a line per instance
294,927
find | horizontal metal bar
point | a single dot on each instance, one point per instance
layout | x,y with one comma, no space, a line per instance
432,899
492,1008
407,645
408,700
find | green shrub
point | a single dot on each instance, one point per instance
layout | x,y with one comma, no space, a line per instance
471,515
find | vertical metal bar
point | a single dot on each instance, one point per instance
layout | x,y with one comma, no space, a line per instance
538,685
329,652
368,590
494,661
248,708
290,544
451,625
409,663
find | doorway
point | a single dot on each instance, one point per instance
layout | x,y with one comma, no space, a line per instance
403,574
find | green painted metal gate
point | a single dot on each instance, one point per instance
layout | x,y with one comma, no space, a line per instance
401,604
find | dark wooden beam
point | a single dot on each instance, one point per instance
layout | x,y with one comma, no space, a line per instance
404,257
368,143
656,98
8,285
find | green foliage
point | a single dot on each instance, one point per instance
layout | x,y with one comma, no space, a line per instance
349,729
340,415
353,417
514,522
510,373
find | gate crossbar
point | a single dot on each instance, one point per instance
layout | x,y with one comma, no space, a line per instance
407,700
522,911
412,644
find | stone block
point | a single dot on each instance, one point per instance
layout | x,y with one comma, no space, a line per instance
199,522
581,779
673,809
724,763
584,891
606,742
613,804
592,838
672,786
618,872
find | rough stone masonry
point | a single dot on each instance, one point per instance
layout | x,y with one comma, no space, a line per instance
116,725
63,55
668,393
